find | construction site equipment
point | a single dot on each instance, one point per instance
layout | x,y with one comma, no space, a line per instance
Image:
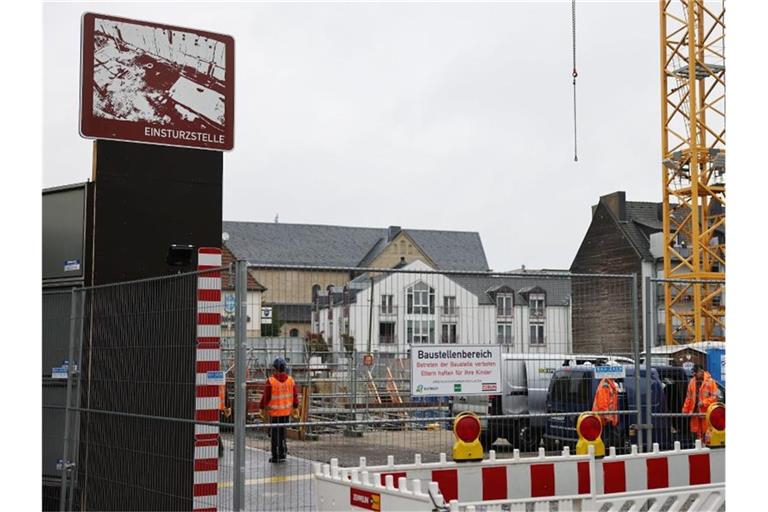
575,482
589,427
716,423
692,37
466,428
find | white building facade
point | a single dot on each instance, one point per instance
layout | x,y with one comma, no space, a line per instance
388,313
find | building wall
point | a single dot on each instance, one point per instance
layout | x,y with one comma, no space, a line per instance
602,308
253,310
475,323
295,286
401,247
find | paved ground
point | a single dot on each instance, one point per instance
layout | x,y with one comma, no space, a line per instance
273,487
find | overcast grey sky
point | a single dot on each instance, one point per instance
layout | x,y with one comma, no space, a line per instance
423,115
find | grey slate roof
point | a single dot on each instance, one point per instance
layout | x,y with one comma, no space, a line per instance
558,289
641,214
341,246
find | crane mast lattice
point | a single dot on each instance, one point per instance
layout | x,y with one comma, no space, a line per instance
693,170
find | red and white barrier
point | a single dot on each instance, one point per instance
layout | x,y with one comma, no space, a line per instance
494,479
355,490
206,463
563,478
659,470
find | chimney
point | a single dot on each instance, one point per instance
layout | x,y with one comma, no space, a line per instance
392,232
617,204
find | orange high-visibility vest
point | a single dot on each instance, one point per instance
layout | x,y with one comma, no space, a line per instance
222,397
707,395
607,399
281,398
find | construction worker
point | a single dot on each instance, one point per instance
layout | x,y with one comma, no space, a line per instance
702,392
607,399
280,399
224,410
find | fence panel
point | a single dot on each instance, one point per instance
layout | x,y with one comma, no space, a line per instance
347,335
676,357
132,444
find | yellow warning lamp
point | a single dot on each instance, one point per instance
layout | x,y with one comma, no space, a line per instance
466,428
716,425
589,427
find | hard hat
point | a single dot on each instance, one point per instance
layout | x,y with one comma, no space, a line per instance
279,364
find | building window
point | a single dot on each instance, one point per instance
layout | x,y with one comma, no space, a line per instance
294,333
387,332
421,299
315,291
449,334
504,304
330,332
420,331
536,304
386,305
537,334
504,334
449,305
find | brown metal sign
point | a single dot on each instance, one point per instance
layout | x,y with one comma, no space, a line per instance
158,84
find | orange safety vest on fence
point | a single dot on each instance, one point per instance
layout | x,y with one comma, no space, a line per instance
707,395
607,399
222,397
281,397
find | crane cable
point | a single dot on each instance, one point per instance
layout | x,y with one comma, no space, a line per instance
574,75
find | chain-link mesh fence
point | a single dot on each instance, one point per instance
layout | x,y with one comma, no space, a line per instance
676,357
347,336
129,414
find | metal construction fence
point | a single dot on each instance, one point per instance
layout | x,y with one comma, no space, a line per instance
674,359
129,396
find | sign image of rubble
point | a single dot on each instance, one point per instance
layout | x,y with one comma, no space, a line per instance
154,83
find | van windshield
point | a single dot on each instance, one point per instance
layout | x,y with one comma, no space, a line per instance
571,389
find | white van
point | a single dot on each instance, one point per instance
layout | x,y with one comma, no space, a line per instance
525,380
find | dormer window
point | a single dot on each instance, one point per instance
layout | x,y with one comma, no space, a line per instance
504,303
537,303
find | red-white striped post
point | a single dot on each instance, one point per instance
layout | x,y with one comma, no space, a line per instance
206,463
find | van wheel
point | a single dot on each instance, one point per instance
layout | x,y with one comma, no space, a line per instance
527,441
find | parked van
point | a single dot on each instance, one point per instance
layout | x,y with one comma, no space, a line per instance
572,390
525,381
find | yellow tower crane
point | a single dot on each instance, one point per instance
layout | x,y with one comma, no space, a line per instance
693,171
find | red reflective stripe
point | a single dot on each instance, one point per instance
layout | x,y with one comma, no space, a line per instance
614,477
542,480
209,250
207,442
495,483
208,342
395,476
207,366
206,464
207,509
657,473
698,469
584,484
207,415
208,318
204,489
204,438
207,391
209,295
448,482
208,273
